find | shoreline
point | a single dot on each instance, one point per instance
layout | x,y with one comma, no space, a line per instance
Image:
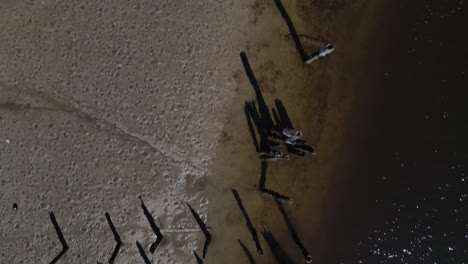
320,99
354,199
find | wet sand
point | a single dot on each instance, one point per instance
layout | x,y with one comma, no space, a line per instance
329,101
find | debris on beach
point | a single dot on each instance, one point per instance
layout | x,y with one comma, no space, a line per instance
324,51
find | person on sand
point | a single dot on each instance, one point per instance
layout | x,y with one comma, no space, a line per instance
324,51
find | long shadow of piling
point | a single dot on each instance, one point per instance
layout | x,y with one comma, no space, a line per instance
265,116
250,226
275,248
154,227
292,30
142,253
60,236
199,260
268,128
263,145
260,120
203,228
116,237
261,185
262,189
248,111
293,233
247,252
283,120
302,146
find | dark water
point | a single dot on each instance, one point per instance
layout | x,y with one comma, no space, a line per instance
409,200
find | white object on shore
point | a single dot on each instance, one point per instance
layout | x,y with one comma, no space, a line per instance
292,133
291,141
324,51
329,48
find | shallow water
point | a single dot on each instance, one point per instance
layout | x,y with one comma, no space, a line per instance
406,201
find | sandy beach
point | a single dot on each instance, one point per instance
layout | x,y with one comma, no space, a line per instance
103,102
